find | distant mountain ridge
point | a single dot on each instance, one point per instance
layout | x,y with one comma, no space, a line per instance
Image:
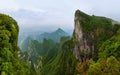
55,36
92,49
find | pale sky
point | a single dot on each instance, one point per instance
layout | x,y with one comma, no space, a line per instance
56,13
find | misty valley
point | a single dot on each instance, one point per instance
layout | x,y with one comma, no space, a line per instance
93,48
40,50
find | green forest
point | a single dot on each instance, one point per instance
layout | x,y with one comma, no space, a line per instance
10,64
94,51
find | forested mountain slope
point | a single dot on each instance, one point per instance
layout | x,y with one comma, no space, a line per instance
9,61
93,49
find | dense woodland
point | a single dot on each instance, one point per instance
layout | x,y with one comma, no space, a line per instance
53,57
10,64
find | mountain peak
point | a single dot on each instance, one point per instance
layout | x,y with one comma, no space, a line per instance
60,30
80,15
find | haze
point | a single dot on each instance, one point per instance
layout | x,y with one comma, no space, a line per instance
53,14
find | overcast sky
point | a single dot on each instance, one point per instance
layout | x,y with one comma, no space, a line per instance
56,13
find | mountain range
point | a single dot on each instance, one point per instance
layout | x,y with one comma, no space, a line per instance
39,36
93,48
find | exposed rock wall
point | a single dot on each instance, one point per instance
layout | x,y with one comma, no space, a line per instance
83,48
89,33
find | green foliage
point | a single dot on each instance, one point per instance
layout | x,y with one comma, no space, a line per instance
9,62
111,47
108,62
56,59
106,39
105,66
90,23
68,63
96,30
82,16
82,67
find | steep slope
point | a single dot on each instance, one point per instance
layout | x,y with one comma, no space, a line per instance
34,48
38,55
90,32
89,35
9,61
52,64
108,62
111,47
29,41
40,35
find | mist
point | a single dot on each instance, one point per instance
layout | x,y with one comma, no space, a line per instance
48,15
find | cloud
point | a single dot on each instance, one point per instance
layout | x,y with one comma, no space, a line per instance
8,5
27,17
56,13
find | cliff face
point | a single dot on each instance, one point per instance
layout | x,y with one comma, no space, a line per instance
89,33
82,49
87,42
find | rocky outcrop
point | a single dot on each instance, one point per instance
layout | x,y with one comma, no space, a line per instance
88,32
82,47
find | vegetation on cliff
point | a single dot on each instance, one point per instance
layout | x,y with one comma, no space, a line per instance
108,61
9,61
105,59
107,47
95,50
